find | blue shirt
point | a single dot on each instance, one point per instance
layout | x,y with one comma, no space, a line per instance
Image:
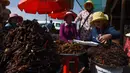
49,26
109,30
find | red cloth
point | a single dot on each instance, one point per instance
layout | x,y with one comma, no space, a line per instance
61,15
127,46
45,6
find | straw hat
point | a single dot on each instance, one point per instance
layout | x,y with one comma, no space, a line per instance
20,19
70,13
5,2
99,16
88,2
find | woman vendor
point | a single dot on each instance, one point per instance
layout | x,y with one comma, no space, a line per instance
68,30
102,32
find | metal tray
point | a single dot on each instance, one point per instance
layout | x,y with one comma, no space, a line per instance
89,43
107,66
62,54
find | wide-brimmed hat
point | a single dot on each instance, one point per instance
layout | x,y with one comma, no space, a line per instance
99,16
20,18
70,13
88,2
5,2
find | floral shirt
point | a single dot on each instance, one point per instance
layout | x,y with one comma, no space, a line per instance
85,30
81,17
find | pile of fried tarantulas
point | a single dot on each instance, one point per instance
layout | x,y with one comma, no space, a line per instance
66,48
109,55
29,49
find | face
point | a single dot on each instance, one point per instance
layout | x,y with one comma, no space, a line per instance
89,7
13,20
69,18
100,24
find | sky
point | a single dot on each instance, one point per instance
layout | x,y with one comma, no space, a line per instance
41,17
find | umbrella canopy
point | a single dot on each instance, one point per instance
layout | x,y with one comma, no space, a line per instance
60,15
45,6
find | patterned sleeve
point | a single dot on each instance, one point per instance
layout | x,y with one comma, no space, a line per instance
79,17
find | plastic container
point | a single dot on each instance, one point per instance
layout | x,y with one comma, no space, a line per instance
108,70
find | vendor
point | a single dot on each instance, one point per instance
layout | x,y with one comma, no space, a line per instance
84,18
68,30
13,21
102,32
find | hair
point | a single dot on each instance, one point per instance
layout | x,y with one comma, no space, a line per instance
67,16
51,21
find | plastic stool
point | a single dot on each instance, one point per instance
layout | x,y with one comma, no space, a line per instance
66,62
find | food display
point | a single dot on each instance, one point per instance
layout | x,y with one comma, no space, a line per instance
69,48
29,48
109,56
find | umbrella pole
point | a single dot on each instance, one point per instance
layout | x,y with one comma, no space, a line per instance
46,18
122,23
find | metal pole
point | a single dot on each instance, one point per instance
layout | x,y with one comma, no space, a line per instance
46,18
122,23
80,5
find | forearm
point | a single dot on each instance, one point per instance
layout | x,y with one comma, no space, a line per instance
115,34
76,20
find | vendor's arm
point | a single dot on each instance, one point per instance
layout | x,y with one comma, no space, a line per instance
115,34
112,34
104,38
78,18
62,37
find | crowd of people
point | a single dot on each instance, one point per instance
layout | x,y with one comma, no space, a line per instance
94,26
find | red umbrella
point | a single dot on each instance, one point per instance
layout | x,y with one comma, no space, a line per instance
60,15
45,6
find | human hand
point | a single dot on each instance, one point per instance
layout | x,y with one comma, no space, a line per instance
69,41
104,38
